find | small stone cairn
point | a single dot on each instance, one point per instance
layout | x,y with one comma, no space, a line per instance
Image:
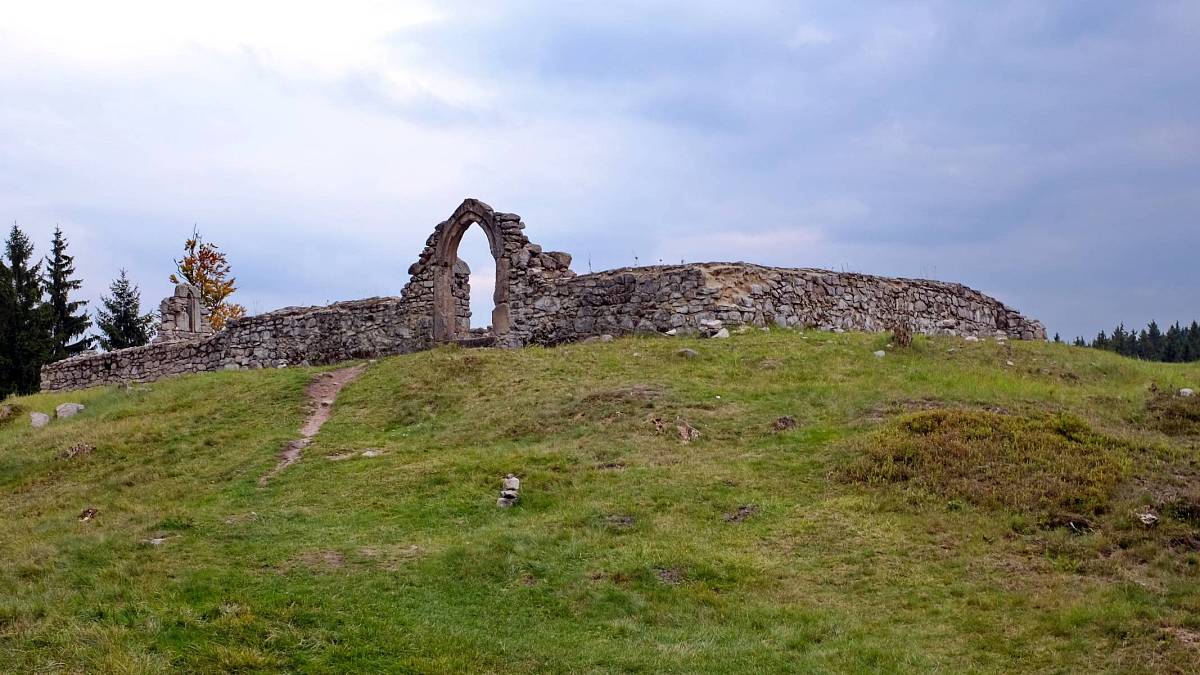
510,492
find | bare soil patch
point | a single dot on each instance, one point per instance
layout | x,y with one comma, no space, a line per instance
742,513
323,559
321,393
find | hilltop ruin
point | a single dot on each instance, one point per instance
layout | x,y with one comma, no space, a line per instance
540,300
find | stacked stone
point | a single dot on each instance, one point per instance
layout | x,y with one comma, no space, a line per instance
183,316
683,298
525,277
510,491
461,288
290,336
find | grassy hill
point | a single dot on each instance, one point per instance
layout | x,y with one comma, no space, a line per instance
952,506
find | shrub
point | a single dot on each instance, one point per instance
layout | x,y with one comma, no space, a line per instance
1041,464
1174,415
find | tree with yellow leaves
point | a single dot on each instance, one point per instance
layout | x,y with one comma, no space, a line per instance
205,267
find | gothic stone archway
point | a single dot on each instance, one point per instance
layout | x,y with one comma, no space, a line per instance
436,296
451,289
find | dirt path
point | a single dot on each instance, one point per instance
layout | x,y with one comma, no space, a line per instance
321,394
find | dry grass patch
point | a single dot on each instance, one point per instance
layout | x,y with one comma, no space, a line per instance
10,412
614,403
1174,415
1042,464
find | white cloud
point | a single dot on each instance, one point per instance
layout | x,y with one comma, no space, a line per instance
809,36
289,33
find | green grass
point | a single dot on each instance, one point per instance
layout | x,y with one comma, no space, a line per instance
628,552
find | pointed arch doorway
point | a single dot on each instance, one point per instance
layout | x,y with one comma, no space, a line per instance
451,288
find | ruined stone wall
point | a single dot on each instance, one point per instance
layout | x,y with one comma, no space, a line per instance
539,300
182,316
290,336
524,273
659,299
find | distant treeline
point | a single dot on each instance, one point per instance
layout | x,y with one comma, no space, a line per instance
1178,344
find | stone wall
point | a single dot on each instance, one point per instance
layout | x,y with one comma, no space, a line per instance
290,336
681,297
539,300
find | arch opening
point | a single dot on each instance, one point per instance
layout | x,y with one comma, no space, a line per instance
461,292
479,285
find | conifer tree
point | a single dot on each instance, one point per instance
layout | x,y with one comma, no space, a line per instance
65,323
1176,345
1172,349
28,333
121,322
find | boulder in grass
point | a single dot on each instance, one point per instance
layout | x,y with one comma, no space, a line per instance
39,420
65,410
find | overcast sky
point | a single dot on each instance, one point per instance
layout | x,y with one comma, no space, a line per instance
1046,153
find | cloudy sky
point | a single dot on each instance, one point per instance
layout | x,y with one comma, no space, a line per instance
1047,153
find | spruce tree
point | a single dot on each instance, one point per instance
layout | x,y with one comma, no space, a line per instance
121,321
30,334
1153,349
65,323
1172,351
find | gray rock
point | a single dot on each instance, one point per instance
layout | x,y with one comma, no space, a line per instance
547,303
511,482
721,334
880,354
687,353
1186,393
66,410
39,420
